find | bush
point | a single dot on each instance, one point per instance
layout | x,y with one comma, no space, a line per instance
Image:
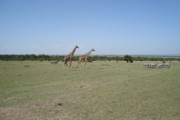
128,58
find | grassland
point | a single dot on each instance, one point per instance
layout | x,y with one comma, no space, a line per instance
33,90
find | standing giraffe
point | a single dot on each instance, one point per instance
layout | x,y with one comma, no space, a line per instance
84,57
69,57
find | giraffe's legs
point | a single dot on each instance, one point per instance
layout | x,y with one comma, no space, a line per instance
70,62
79,64
85,62
80,60
65,62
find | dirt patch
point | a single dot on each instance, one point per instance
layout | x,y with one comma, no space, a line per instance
86,85
17,113
39,111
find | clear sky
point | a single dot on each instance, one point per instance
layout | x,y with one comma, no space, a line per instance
109,26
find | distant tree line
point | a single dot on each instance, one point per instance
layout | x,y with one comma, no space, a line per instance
127,58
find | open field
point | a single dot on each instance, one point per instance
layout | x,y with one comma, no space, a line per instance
34,90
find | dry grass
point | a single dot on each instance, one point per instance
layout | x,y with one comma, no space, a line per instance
104,91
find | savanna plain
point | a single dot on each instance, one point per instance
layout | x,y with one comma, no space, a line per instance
105,90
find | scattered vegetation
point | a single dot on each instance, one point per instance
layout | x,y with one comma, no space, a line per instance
91,58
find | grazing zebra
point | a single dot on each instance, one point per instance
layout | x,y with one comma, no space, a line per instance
161,65
167,65
54,62
146,64
89,60
152,65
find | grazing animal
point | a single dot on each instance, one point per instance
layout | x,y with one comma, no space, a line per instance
161,65
69,57
54,62
89,60
167,65
154,65
84,57
146,64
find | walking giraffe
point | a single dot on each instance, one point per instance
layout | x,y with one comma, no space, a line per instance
84,57
69,57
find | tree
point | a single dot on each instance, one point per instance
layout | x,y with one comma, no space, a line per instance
128,58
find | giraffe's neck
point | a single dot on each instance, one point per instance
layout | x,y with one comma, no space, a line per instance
72,53
88,53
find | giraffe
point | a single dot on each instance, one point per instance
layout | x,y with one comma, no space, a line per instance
69,57
84,57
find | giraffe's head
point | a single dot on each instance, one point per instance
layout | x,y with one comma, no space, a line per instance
92,49
77,46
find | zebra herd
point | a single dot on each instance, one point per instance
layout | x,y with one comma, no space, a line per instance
148,65
157,65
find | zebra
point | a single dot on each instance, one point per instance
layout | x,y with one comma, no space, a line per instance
152,65
167,65
160,65
54,62
146,64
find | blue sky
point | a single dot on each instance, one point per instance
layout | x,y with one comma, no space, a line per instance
109,26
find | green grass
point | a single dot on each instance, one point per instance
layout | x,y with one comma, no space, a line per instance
34,90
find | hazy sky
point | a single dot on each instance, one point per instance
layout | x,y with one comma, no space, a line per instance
108,26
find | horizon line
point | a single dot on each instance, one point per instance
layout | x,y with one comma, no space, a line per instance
178,55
